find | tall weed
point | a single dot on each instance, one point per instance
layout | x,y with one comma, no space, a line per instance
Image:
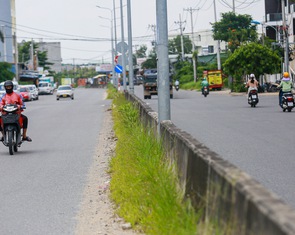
143,184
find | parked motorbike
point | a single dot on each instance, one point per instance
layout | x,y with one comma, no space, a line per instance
253,98
271,87
205,91
176,87
12,125
288,102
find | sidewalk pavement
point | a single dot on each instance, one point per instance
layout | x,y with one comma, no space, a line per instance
228,92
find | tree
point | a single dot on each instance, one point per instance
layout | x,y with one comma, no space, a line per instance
252,58
234,29
174,45
24,54
141,52
151,62
5,72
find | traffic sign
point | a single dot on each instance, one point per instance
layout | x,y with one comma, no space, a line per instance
120,46
119,69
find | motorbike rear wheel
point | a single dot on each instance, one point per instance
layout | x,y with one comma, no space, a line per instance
10,142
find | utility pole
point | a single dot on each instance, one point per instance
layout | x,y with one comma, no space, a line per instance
234,8
163,63
122,48
181,36
4,44
115,75
191,10
154,28
32,55
286,39
130,54
15,56
218,41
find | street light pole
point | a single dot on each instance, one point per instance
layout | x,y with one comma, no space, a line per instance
114,52
112,48
130,54
122,48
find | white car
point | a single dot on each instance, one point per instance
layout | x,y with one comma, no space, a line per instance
64,91
45,88
34,91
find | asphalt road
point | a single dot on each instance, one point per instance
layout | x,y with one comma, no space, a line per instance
41,186
260,141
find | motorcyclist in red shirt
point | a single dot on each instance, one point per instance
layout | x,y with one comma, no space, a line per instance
13,98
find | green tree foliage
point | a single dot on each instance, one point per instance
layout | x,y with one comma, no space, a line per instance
252,58
174,45
141,52
78,73
151,62
184,72
5,73
234,29
24,54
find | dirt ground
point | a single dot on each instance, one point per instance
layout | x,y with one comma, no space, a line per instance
97,215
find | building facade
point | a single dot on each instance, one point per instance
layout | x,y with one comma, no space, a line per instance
8,27
53,50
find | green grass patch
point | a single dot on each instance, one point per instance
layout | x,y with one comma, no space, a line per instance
192,85
112,91
144,183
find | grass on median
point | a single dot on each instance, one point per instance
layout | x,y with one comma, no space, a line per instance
143,184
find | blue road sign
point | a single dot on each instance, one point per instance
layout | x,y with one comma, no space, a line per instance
119,69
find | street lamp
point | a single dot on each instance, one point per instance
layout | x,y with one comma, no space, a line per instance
114,53
112,48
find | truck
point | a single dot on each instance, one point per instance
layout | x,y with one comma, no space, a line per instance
150,85
214,79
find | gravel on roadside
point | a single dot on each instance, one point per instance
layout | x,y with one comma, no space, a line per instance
97,212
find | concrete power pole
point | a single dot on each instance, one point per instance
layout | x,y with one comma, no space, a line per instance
122,48
286,39
181,36
191,10
115,46
218,41
4,44
130,54
15,57
163,62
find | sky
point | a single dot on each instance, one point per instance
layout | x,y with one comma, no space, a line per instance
84,29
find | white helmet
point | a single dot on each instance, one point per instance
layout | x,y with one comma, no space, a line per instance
252,75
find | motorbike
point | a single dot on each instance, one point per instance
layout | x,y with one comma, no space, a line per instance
12,125
271,87
205,91
176,87
253,98
288,102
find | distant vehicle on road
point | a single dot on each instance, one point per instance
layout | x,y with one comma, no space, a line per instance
150,84
26,94
45,88
65,91
34,91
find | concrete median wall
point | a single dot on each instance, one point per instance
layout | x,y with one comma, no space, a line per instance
228,196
